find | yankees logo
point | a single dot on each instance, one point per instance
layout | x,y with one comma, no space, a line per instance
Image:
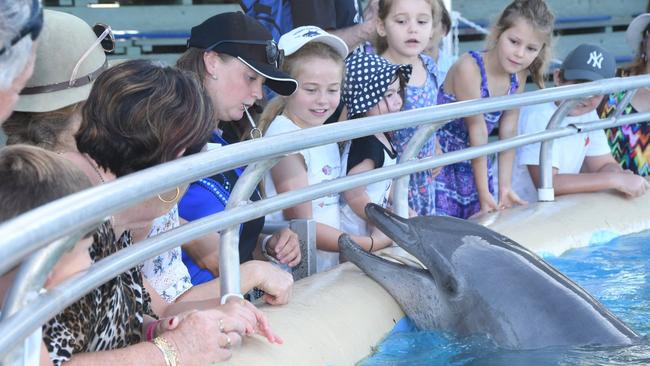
595,59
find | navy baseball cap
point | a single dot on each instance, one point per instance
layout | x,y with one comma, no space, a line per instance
241,36
588,62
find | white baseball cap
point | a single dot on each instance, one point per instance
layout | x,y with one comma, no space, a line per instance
292,41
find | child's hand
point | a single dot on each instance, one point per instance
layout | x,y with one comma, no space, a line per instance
487,205
631,185
508,198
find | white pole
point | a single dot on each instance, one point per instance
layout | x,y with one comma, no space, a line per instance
447,44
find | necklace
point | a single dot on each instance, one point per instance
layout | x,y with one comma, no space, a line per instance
92,164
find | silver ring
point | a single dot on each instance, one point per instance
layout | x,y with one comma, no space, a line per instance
222,328
228,342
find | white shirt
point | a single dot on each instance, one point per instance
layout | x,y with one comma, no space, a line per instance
568,152
323,163
378,193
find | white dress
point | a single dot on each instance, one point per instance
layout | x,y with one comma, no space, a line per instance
323,163
166,272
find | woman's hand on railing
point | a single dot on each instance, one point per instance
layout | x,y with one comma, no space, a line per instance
285,247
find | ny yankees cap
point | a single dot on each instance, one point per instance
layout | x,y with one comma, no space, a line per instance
588,62
292,41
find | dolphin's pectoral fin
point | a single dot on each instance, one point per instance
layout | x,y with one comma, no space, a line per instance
412,288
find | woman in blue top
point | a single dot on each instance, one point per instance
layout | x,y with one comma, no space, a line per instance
233,56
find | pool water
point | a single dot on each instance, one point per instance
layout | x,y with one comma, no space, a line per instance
616,273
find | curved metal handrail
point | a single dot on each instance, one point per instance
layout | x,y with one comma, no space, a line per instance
73,211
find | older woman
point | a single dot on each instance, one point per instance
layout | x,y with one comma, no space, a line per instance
20,24
629,143
232,55
110,324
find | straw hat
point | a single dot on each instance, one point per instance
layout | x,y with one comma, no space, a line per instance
634,32
63,42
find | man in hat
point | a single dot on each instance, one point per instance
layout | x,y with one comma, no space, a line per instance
20,24
581,162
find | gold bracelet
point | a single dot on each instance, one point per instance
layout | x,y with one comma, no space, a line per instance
169,352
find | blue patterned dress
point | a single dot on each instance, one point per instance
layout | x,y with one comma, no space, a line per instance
422,193
456,193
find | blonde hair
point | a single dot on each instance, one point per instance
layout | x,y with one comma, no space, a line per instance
291,66
384,8
538,14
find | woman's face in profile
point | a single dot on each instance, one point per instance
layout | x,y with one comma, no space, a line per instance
236,87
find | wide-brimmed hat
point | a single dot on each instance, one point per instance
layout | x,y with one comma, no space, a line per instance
588,62
62,75
241,36
292,41
366,80
634,32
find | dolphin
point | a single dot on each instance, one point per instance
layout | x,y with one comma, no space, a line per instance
478,281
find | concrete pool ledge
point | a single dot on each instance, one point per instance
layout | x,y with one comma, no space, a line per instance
337,317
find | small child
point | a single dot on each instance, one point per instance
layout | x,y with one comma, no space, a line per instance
582,162
373,86
519,43
315,60
405,28
440,31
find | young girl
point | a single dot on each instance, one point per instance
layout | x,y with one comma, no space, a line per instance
404,28
315,60
518,44
373,86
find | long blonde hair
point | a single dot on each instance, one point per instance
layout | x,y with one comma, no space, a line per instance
538,14
291,66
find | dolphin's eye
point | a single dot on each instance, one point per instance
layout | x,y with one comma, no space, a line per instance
450,285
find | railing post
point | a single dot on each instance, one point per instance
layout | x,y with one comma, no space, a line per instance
545,192
400,192
229,247
28,282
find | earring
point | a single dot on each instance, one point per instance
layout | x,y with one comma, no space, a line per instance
178,193
213,77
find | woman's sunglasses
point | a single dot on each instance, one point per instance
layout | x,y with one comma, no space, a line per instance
33,26
105,36
274,55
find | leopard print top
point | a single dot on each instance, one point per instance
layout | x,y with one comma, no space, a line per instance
109,317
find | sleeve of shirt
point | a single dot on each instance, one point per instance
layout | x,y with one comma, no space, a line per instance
321,13
598,144
363,148
533,120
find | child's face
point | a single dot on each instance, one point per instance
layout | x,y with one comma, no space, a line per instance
585,105
407,27
518,46
391,102
318,93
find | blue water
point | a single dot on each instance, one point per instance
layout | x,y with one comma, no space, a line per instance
617,273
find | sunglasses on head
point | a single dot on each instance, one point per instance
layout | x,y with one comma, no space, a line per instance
33,26
274,55
105,35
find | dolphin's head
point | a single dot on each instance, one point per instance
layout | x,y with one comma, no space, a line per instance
429,245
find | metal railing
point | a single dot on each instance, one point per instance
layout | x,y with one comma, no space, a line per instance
63,218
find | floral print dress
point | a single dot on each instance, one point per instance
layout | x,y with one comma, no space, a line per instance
421,193
456,193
